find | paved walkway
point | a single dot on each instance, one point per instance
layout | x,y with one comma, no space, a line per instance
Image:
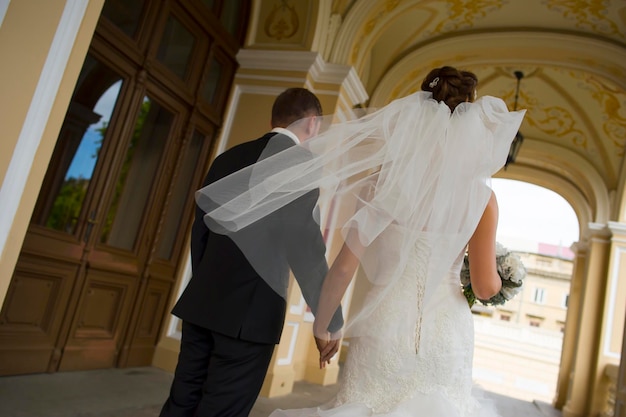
140,392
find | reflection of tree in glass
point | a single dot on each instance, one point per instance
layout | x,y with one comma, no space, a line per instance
103,131
121,182
69,201
67,205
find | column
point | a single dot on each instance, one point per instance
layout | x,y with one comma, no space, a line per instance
584,363
620,385
572,323
612,324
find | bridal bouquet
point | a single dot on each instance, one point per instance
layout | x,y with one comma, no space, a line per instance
511,271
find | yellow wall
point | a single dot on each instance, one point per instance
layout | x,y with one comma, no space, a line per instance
252,119
24,52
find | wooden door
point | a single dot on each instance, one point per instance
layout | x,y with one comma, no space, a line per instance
100,258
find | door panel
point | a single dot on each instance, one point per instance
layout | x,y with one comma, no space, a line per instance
181,197
125,234
135,182
139,348
32,314
144,336
100,319
50,269
96,271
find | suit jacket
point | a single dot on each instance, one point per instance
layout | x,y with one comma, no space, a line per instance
225,293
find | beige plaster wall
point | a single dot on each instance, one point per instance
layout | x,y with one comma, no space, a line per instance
252,118
24,52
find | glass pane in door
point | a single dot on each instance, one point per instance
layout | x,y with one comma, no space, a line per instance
176,47
212,81
137,175
78,146
210,4
231,16
182,192
125,14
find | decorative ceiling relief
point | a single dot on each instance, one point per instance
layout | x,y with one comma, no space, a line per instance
589,14
285,24
554,121
558,122
369,26
462,14
380,40
613,70
612,102
282,22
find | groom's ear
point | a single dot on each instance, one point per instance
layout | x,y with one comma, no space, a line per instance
312,126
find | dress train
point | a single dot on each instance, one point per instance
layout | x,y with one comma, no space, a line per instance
425,372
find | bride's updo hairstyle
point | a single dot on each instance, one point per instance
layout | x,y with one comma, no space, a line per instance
451,85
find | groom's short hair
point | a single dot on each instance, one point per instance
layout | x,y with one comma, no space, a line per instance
294,104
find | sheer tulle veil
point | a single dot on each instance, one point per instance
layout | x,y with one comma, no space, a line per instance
412,170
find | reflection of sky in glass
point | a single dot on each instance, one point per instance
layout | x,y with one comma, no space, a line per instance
86,155
84,160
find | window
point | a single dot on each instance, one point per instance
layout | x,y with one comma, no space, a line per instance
534,321
544,263
505,317
539,295
565,300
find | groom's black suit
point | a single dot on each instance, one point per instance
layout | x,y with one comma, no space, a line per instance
231,317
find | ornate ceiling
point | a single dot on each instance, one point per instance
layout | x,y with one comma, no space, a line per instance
572,54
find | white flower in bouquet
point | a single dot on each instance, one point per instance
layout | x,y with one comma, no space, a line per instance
510,269
509,292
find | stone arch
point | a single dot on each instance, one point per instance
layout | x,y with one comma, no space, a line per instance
620,197
513,48
562,187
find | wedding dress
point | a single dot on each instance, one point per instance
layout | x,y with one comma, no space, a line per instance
427,372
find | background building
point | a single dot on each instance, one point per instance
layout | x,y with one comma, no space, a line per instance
518,344
543,301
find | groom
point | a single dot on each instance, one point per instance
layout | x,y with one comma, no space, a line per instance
231,318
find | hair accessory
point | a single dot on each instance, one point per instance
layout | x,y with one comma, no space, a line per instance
434,82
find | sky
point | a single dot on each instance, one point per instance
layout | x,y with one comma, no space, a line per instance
84,161
534,213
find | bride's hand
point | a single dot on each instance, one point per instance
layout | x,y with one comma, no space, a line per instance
328,345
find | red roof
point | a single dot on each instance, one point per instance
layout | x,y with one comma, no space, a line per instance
555,250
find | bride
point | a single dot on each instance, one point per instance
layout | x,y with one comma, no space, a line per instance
410,188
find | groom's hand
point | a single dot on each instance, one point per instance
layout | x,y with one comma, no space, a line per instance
328,347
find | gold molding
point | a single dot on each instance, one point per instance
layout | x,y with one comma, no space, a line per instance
610,99
463,14
593,15
282,22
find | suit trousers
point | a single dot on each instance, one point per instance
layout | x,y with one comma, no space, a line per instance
216,375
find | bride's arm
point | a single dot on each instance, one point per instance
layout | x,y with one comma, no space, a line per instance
482,253
337,281
335,285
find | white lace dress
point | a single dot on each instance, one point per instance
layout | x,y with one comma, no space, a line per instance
427,372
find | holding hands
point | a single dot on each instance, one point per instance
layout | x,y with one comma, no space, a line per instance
327,344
